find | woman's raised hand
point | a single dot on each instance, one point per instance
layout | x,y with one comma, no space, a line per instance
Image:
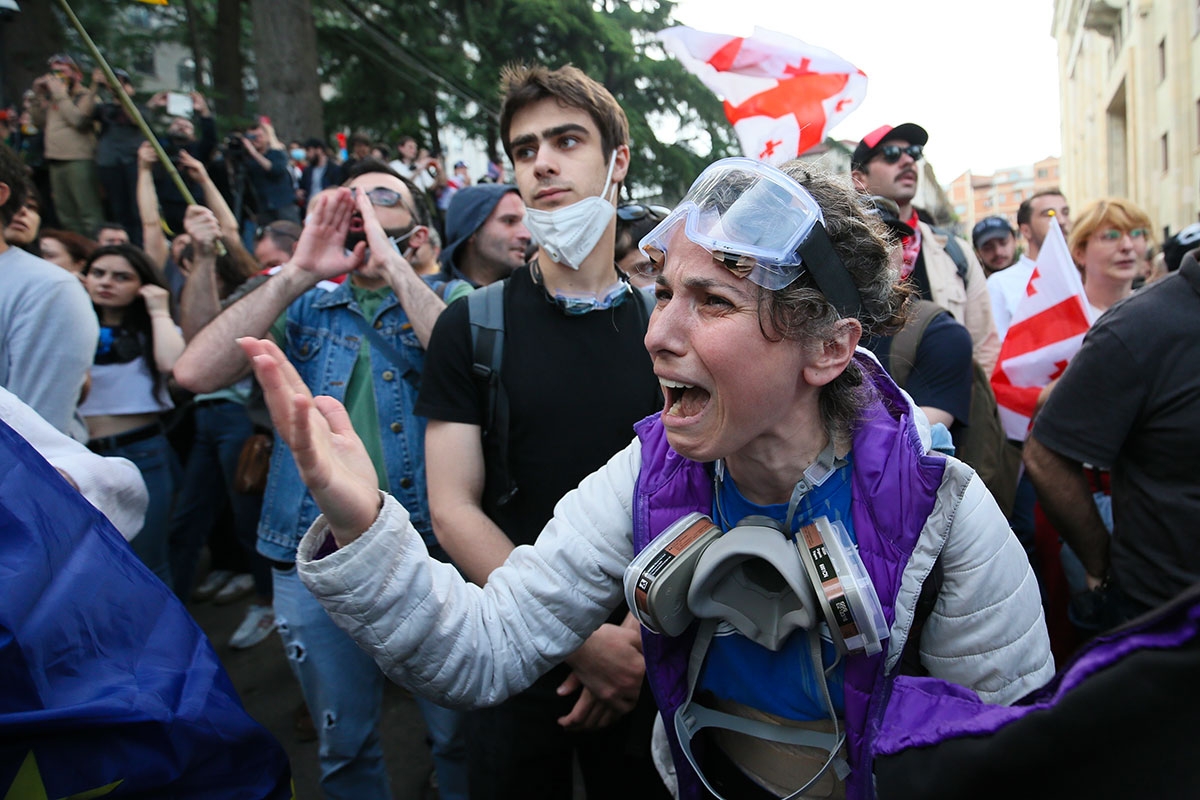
157,300
331,458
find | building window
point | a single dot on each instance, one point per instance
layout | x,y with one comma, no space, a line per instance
1162,60
1165,161
1043,172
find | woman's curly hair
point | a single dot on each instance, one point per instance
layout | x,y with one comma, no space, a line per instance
799,311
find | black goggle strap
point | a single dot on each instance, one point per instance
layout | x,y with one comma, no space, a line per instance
829,273
691,718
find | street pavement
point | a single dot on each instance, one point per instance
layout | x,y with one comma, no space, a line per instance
271,695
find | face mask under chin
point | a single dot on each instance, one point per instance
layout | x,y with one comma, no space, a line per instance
569,234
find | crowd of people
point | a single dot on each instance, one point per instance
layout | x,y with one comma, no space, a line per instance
396,407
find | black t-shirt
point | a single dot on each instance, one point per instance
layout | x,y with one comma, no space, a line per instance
1130,402
575,386
941,375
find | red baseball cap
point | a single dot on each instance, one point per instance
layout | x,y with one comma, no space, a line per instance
910,132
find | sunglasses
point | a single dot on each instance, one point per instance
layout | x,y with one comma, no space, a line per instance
891,152
636,211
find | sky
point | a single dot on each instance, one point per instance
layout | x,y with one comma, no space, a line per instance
981,78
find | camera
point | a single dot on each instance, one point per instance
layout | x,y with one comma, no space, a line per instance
234,144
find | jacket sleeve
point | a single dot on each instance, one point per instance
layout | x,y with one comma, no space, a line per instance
979,313
466,646
78,109
986,631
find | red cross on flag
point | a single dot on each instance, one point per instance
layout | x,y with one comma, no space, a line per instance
781,95
1046,333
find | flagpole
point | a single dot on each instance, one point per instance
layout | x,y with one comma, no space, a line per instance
119,91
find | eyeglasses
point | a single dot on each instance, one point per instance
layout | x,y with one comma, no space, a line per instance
891,152
385,198
1114,235
636,211
275,230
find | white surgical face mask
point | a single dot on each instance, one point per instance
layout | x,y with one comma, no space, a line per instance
569,234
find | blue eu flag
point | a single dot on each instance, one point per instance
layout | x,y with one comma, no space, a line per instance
107,686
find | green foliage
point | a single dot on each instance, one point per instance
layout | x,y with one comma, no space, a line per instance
411,66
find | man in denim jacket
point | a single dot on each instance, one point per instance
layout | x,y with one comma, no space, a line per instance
361,342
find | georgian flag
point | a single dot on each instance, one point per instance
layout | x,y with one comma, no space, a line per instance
781,95
1047,331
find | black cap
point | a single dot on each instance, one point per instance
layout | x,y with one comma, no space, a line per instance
990,228
910,132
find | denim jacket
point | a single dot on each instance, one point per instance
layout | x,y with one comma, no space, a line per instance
322,341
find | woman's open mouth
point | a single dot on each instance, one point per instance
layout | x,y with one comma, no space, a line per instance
683,399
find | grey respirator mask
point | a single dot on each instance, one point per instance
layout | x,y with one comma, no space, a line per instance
766,586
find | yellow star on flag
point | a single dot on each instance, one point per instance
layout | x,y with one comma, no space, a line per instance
27,785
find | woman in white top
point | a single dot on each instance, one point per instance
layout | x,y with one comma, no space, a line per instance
139,344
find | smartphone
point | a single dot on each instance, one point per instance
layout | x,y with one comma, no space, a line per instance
179,104
264,120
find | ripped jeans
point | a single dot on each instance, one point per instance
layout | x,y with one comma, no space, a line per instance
344,691
343,688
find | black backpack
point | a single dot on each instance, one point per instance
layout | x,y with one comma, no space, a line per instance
485,310
984,444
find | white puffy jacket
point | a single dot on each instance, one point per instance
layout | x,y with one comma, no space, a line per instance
469,646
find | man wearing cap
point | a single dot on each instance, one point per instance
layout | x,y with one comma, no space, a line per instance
487,238
885,163
320,173
994,244
1007,287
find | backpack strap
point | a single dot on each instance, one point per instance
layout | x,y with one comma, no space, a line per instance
903,353
485,311
955,251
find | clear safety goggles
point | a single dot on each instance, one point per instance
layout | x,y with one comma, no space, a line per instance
762,225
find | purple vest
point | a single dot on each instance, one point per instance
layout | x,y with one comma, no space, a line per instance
893,489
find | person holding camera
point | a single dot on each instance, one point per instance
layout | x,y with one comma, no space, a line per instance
62,107
266,164
197,135
116,154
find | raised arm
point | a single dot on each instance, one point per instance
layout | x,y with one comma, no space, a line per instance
453,642
213,359
212,195
421,304
200,301
154,241
168,342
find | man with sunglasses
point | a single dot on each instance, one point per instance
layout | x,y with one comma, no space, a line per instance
941,267
362,342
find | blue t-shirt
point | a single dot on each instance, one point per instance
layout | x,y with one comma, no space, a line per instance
783,683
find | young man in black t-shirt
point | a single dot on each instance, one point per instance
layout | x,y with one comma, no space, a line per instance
576,376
